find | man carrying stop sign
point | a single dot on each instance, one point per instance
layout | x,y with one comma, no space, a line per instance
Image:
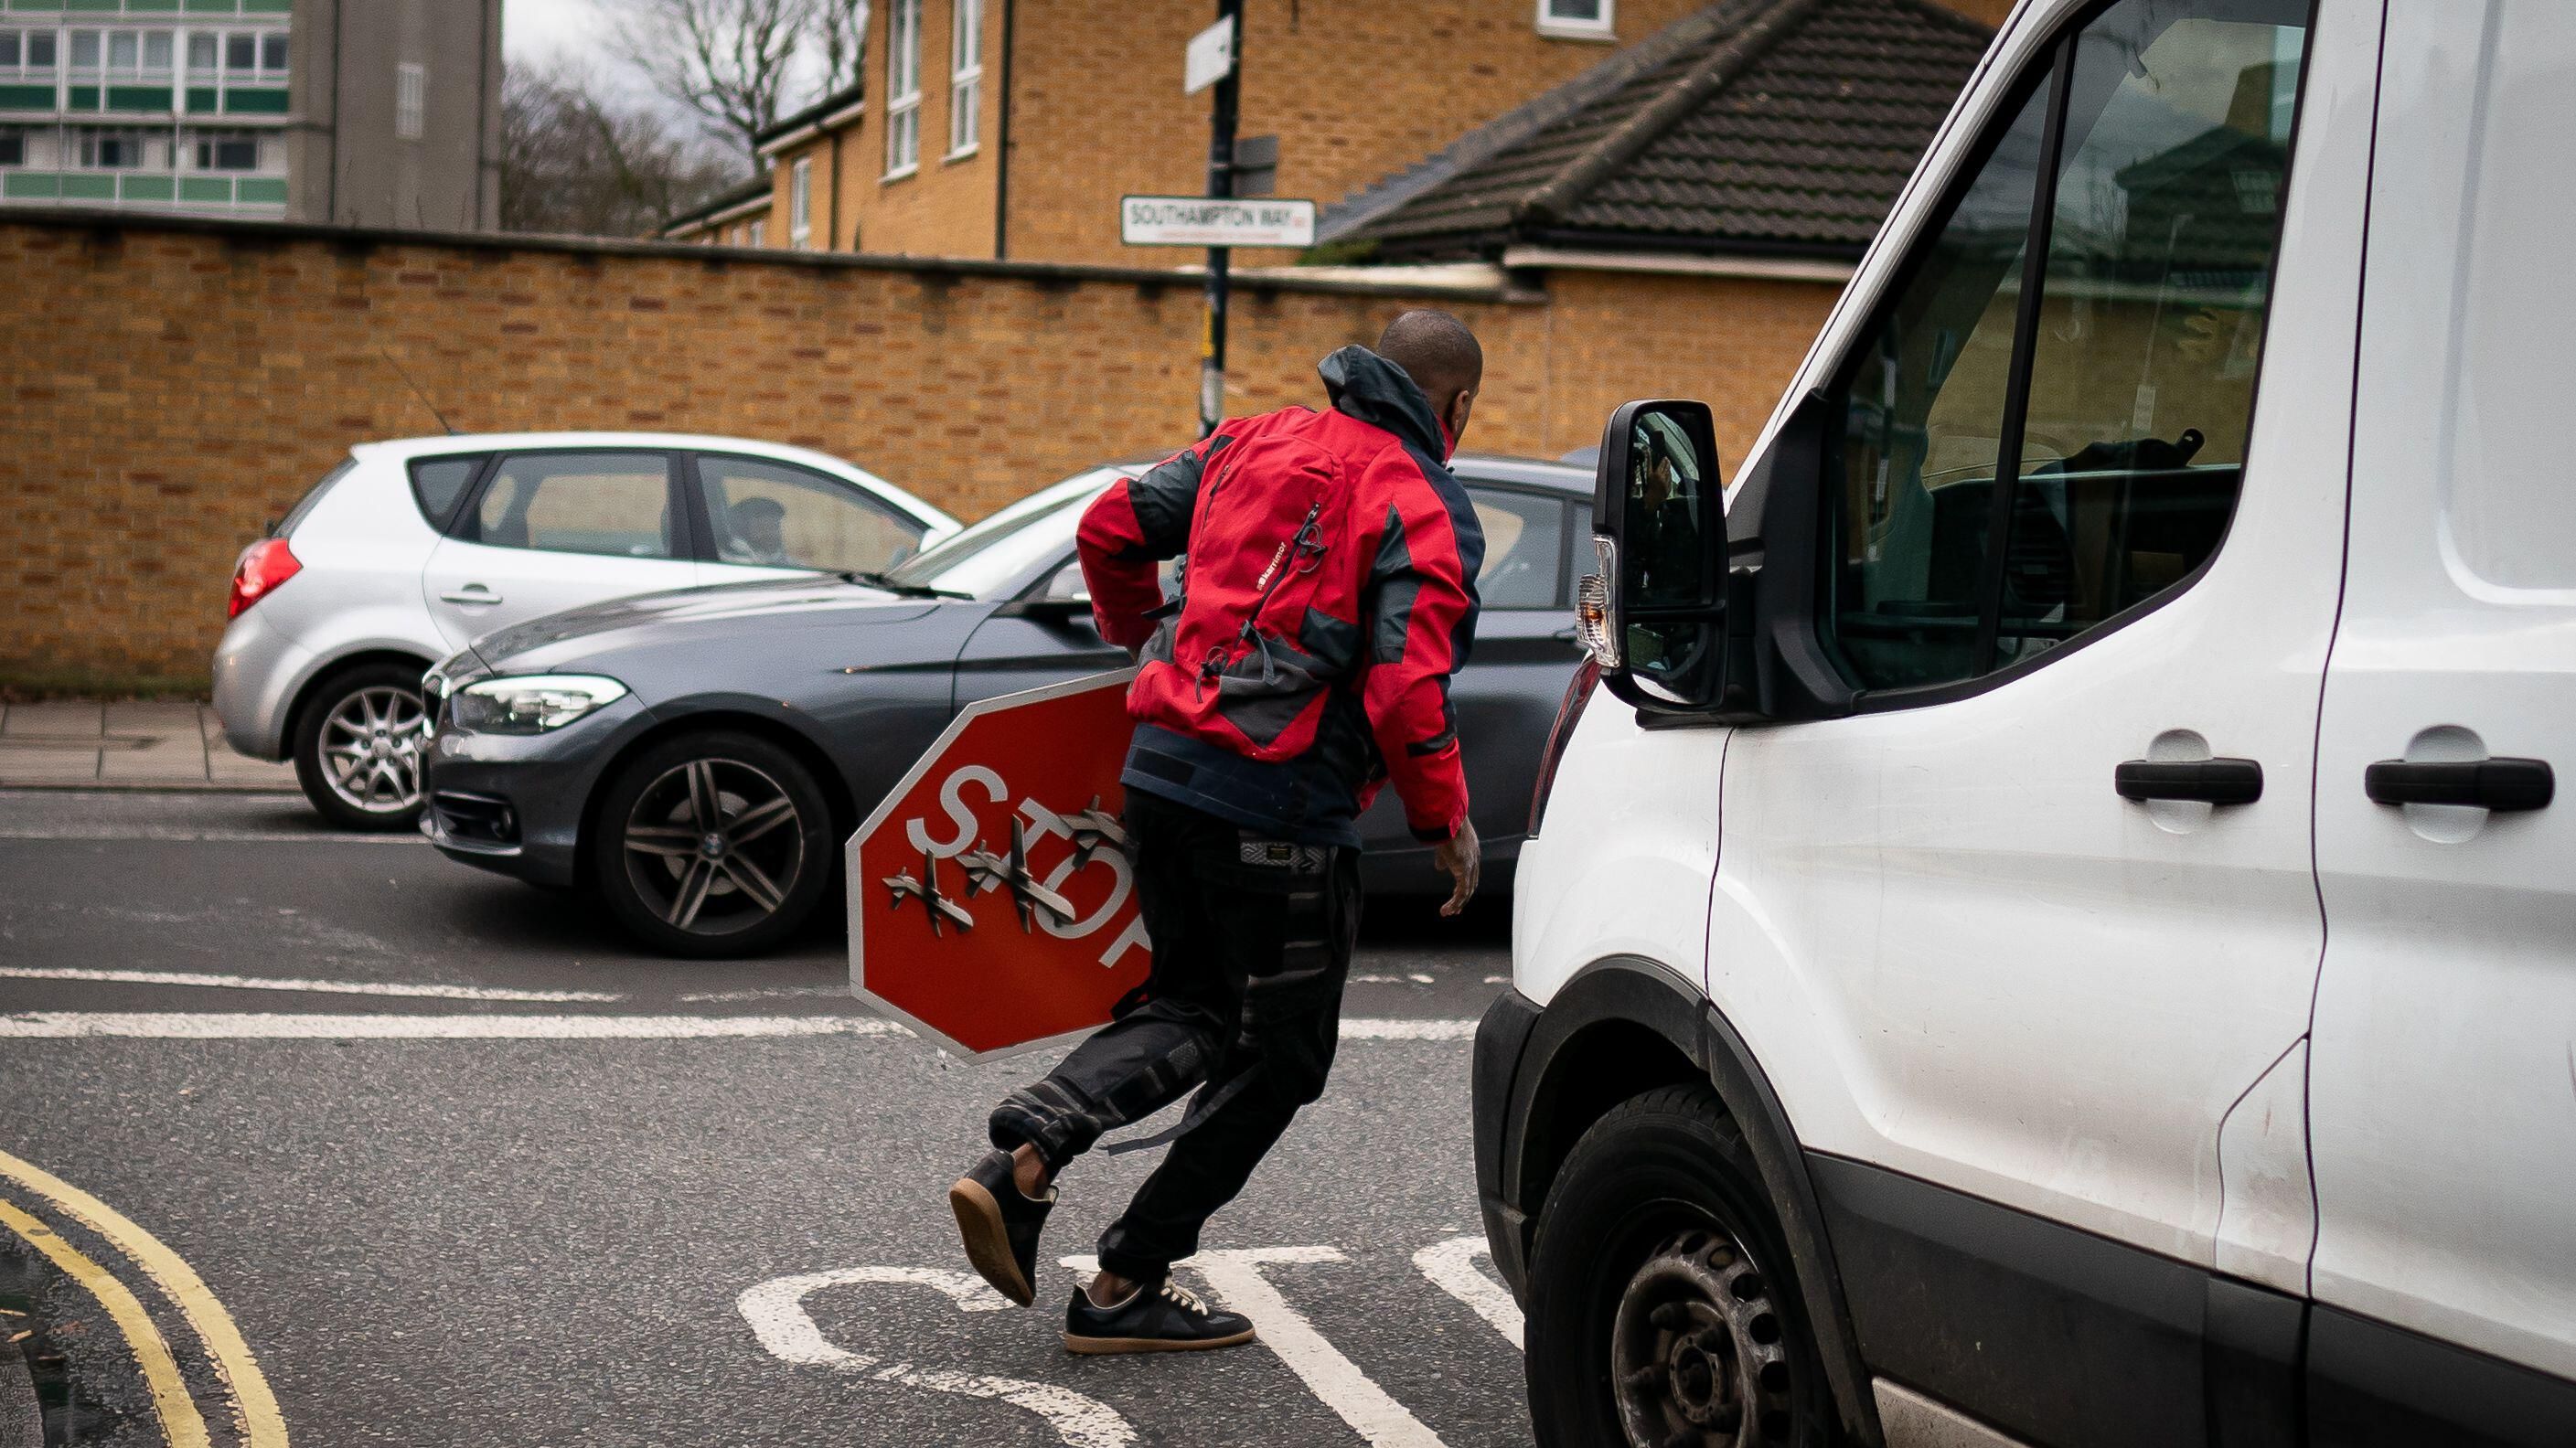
1328,593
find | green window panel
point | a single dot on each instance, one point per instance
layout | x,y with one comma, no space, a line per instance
155,98
30,185
206,188
204,98
89,188
81,98
257,101
143,7
106,5
210,7
267,7
26,98
144,188
257,189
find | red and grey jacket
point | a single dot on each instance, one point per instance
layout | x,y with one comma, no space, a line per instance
1327,594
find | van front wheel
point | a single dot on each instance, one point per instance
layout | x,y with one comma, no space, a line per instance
1662,1309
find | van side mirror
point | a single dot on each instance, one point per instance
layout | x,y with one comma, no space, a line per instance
1655,617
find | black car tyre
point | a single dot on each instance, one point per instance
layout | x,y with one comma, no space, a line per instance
358,744
712,845
1662,1309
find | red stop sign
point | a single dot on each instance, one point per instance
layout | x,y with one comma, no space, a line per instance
992,905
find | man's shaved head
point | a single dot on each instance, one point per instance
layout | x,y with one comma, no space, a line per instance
1437,351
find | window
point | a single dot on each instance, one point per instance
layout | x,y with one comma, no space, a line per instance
272,53
228,153
965,76
766,514
124,52
241,53
156,50
756,234
202,50
903,87
411,86
110,151
13,148
84,50
1576,19
2031,447
1524,549
612,503
12,50
438,483
800,202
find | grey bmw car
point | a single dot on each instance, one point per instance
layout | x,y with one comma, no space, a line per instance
696,757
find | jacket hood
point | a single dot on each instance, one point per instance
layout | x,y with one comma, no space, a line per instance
1365,385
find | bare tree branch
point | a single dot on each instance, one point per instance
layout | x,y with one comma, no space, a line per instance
730,61
572,161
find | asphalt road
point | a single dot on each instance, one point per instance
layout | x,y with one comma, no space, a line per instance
488,1175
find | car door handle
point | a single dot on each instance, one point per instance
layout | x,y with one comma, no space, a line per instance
2500,784
471,593
2209,781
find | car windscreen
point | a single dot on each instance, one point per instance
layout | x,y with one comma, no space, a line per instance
999,551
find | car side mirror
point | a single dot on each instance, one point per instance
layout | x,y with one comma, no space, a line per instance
1655,616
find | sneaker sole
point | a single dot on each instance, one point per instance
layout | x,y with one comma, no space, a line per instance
1102,1346
988,1242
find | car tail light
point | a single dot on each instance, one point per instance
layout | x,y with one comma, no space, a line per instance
1568,714
264,565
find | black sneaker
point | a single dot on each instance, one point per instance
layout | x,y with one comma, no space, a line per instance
1169,1318
1000,1225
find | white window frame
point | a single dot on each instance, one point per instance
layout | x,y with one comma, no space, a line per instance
1560,28
800,203
411,100
757,234
903,88
965,77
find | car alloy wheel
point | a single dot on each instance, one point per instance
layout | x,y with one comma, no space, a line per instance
371,747
1696,1349
714,846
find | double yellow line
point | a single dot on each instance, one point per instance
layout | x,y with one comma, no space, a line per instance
254,1406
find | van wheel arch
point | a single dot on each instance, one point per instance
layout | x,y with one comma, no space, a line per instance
1626,1025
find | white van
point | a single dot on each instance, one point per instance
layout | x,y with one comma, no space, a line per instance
2091,959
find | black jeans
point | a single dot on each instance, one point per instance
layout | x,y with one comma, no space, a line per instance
1252,943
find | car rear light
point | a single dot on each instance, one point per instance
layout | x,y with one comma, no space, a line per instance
1578,693
263,566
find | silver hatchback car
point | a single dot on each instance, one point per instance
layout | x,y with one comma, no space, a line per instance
408,550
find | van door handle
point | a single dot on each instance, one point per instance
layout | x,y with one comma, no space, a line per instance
2499,784
471,593
2209,781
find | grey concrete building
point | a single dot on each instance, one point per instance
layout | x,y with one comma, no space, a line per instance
365,112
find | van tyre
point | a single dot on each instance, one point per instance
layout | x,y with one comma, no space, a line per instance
1663,1313
358,747
712,845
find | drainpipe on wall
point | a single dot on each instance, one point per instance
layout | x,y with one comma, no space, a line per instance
832,222
1002,143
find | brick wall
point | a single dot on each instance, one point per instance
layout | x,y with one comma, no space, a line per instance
172,385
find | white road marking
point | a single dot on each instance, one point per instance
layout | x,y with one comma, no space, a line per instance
181,834
251,1026
327,987
1451,1266
840,991
329,1026
776,1312
1409,978
1235,1276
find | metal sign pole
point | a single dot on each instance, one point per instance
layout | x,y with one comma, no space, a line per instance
1220,185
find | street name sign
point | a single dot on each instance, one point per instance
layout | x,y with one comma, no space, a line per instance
992,905
1210,57
1212,221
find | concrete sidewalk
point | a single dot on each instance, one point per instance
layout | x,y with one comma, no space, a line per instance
82,743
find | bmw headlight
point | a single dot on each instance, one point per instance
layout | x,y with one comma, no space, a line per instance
531,703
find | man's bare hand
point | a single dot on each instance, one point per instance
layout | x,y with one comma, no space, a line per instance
1463,860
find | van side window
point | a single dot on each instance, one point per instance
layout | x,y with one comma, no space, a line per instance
2110,385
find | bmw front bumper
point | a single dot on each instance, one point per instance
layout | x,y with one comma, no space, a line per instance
514,803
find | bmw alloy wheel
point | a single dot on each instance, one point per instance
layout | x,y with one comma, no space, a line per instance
714,846
371,748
